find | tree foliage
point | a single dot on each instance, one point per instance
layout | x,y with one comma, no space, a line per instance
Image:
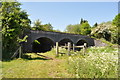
73,29
95,25
39,26
14,22
108,30
116,29
83,28
116,20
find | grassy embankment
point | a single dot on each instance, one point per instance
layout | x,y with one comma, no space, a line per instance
100,62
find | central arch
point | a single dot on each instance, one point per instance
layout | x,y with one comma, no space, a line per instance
42,44
65,41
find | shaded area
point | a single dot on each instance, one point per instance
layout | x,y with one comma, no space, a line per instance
44,45
80,43
64,41
38,57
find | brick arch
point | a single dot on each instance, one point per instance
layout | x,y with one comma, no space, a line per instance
45,44
64,41
81,42
37,37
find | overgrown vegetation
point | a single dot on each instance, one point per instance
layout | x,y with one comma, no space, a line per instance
100,62
14,22
108,30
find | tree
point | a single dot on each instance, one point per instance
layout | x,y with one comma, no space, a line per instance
106,30
116,32
14,22
81,21
95,25
39,26
48,27
73,29
84,28
116,20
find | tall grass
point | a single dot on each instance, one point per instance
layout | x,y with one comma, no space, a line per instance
98,62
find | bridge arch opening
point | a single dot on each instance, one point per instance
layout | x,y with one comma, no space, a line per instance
65,41
42,45
80,43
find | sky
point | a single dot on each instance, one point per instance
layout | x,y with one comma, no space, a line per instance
61,14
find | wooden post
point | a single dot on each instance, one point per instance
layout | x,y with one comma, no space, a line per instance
84,48
73,47
57,49
20,52
69,46
65,44
85,45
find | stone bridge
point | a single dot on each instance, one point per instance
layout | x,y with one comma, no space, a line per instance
48,39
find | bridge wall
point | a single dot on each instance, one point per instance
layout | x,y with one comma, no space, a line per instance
55,37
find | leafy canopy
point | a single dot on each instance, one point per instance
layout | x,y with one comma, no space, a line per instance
14,22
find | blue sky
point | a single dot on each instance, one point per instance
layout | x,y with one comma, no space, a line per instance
61,14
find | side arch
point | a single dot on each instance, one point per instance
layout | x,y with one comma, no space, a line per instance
81,42
43,44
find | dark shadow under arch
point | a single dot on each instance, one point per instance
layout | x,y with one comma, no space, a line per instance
81,42
45,45
65,41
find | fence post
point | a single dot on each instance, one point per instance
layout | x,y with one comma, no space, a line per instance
65,44
84,48
85,45
73,47
57,49
20,52
69,46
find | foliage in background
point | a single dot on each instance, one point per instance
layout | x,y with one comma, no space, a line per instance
83,28
102,30
116,22
108,30
14,22
39,26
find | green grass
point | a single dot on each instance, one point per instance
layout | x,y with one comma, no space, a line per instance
36,67
98,62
